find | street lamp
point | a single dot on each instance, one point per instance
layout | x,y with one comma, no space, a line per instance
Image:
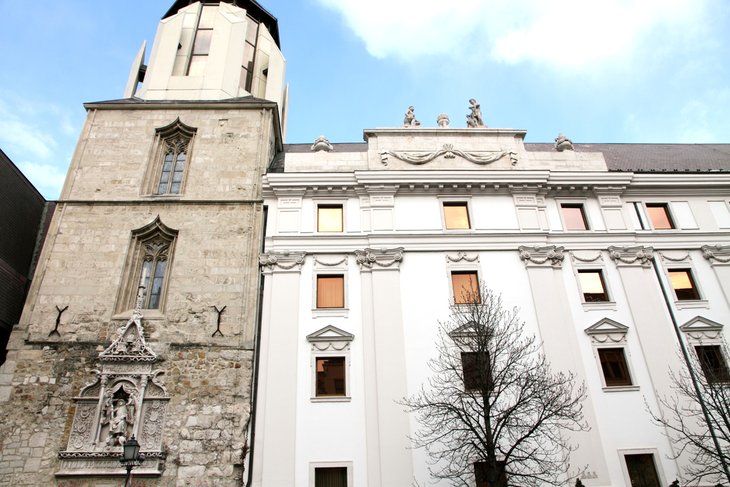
131,457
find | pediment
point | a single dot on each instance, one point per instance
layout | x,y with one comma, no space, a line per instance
702,328
330,334
130,345
607,331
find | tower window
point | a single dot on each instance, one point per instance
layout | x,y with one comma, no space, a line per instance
203,38
166,173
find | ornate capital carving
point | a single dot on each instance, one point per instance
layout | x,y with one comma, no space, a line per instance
638,255
462,256
716,254
379,258
281,261
542,256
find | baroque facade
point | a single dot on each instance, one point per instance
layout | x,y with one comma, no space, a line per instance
153,257
369,243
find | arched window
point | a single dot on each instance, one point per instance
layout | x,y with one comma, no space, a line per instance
171,158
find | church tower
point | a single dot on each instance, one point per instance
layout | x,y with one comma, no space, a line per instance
142,314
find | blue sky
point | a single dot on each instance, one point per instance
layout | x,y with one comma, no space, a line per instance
603,71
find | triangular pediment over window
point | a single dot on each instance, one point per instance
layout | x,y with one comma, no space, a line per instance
702,328
330,338
607,331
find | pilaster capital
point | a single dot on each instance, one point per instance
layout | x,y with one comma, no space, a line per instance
716,254
377,259
549,256
281,261
631,256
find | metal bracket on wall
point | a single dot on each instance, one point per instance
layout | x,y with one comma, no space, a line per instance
55,332
218,320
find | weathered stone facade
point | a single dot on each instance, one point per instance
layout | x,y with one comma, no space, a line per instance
206,359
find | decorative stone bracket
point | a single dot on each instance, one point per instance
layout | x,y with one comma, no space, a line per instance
717,254
551,256
639,255
379,258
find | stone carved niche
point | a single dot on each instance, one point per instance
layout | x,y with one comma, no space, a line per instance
124,400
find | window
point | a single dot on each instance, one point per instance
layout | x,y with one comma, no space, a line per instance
642,471
683,284
465,285
614,366
713,363
592,286
330,477
148,267
167,173
203,37
476,370
659,216
329,218
330,377
456,215
249,50
480,473
574,216
330,291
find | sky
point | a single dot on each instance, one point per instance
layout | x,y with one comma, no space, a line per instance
612,71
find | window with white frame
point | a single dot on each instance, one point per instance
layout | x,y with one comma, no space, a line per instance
608,338
330,217
592,285
705,337
574,216
330,359
456,215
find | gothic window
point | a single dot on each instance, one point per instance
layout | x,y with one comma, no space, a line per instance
148,267
170,159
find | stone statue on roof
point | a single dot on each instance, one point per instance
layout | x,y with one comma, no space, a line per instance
562,143
321,144
409,120
474,119
442,120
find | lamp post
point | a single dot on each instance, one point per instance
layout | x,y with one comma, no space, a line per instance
131,457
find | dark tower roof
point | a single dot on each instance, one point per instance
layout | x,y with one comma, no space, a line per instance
251,6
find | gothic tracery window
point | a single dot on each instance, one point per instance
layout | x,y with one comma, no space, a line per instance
170,159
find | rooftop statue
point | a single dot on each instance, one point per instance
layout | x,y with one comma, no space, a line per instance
410,118
562,143
321,144
474,119
442,120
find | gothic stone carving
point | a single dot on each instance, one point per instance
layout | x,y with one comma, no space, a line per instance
125,399
551,255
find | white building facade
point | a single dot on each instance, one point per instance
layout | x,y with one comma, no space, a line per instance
365,242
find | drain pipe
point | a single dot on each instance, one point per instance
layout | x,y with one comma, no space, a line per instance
690,369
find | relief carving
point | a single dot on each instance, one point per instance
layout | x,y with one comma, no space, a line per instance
273,261
550,255
716,254
638,255
379,258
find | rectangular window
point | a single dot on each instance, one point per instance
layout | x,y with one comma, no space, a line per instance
456,215
659,216
329,218
713,363
642,471
480,473
476,369
574,216
683,284
614,366
640,215
331,377
330,477
592,286
466,287
331,291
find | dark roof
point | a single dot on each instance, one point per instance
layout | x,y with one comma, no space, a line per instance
655,157
226,101
339,147
251,7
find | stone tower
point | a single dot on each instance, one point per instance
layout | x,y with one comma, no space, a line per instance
141,319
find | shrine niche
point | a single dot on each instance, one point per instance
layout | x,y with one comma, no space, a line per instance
124,400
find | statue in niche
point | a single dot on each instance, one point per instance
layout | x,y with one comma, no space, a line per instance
410,118
119,416
474,119
442,120
562,143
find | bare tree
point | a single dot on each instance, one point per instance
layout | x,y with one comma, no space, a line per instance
492,408
696,417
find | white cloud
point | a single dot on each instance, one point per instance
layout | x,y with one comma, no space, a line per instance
560,33
47,178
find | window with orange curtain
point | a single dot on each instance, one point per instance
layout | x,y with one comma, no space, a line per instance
329,218
330,291
466,287
456,215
